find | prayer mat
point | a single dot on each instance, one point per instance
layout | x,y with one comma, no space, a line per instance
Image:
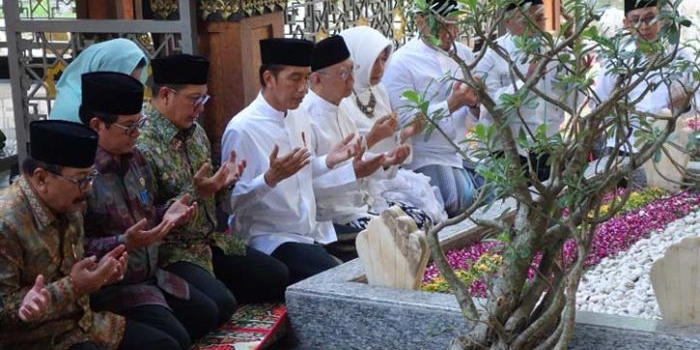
252,327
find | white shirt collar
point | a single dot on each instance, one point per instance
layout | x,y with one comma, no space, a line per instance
266,110
320,105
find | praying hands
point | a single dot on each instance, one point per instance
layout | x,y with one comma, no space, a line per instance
36,302
225,177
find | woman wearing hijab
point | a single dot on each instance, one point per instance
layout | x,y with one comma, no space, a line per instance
116,55
370,50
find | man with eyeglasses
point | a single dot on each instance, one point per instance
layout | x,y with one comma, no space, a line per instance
420,66
273,204
41,252
658,92
178,152
121,210
347,206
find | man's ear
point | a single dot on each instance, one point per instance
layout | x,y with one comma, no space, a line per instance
163,92
315,78
419,20
40,175
268,78
95,123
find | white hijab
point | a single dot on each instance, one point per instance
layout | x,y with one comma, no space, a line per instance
365,45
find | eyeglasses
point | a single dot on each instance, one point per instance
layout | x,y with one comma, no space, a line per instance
82,183
200,100
344,73
131,129
648,20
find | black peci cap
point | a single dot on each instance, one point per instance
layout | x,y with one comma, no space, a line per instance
286,52
62,143
520,3
180,69
631,5
329,51
112,93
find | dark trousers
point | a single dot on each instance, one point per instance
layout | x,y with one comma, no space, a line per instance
208,285
252,278
538,161
162,319
304,260
344,248
198,315
138,336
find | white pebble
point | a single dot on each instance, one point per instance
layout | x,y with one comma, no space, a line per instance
621,285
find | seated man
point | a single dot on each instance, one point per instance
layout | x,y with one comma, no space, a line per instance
420,67
121,210
347,207
178,153
657,92
500,79
273,204
41,234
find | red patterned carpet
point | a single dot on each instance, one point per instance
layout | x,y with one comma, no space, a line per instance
252,327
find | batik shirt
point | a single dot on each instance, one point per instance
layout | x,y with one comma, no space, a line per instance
34,241
174,156
123,195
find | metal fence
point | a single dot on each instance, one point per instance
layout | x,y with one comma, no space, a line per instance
316,19
43,36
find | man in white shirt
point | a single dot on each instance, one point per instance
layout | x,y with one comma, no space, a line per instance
420,67
273,203
499,77
347,207
642,19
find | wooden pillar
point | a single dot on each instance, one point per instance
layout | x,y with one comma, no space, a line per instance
105,9
233,50
553,10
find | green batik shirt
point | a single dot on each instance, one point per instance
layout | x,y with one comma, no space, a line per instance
174,156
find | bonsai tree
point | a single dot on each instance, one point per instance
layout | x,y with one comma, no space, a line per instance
538,313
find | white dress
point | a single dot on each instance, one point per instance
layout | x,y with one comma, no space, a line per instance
404,186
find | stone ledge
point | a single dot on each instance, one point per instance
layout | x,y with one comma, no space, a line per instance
332,311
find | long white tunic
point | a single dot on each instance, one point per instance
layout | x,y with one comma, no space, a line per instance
341,204
271,216
418,67
499,80
654,101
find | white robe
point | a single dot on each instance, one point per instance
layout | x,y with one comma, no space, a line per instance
498,78
655,101
341,204
271,216
418,67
